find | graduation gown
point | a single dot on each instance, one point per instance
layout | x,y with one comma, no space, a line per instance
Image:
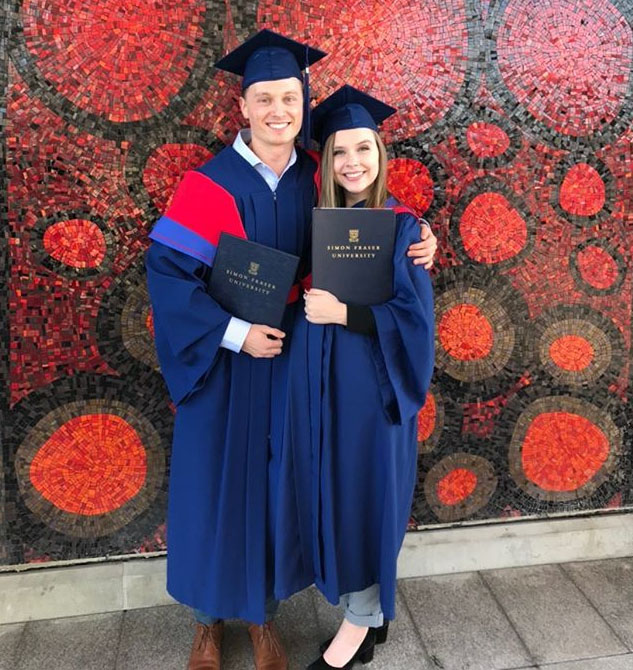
350,447
230,406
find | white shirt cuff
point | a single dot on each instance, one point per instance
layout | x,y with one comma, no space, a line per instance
235,334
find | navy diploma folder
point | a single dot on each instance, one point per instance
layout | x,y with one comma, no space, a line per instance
352,253
251,281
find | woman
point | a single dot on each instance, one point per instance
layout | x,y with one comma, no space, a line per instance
351,429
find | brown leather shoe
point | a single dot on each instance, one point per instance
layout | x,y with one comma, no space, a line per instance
267,648
207,647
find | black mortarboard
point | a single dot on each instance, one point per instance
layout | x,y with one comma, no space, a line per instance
268,56
348,108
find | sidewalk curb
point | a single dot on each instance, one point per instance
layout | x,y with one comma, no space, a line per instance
121,583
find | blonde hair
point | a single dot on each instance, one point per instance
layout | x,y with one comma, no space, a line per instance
333,195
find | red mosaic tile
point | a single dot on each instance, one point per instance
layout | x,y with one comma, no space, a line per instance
418,63
568,63
459,485
165,167
426,418
571,352
523,170
491,229
123,59
77,243
597,267
582,192
91,465
456,486
411,182
465,333
149,323
563,451
487,140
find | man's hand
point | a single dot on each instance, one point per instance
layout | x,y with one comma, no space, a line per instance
424,252
324,307
257,343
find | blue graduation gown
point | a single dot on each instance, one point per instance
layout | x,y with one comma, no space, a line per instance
230,407
350,449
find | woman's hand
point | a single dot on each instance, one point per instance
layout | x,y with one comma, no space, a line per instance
322,307
258,344
423,252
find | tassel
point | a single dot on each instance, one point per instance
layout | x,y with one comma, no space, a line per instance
305,137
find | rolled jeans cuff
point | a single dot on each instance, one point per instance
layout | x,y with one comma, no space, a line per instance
362,608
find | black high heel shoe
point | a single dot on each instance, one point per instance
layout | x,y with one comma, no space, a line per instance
365,654
381,637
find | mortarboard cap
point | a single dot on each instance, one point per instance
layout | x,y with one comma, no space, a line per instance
268,56
348,108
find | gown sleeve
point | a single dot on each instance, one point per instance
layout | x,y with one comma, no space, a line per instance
189,324
360,319
404,347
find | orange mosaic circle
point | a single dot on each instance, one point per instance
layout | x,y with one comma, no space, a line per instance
577,346
487,140
77,242
562,451
597,267
410,182
91,457
571,352
583,192
491,229
465,333
92,464
149,322
427,417
459,485
456,486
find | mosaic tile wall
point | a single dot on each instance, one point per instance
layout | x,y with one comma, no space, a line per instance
514,139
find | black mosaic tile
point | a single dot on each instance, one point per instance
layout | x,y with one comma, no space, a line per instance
523,170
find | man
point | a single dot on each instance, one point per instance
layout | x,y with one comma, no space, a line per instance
228,377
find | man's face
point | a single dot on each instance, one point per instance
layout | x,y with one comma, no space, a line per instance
274,110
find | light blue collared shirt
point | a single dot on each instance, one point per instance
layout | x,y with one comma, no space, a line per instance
237,330
240,144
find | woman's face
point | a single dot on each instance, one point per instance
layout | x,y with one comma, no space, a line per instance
356,162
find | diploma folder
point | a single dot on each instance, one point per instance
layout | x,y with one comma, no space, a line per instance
251,281
352,253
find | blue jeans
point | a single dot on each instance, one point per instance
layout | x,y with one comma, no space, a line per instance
363,607
272,606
